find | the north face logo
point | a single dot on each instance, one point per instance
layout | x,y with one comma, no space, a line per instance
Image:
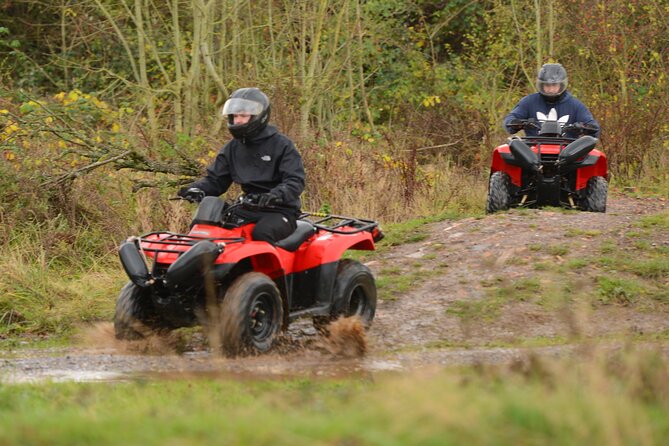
266,158
552,116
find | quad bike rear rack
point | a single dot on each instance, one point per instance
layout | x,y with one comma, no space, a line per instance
336,223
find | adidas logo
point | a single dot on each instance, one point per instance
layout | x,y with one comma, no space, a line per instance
552,116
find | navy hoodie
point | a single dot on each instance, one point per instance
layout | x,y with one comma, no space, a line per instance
567,110
266,162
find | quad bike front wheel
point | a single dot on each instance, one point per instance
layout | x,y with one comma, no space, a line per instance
251,315
596,191
499,195
134,316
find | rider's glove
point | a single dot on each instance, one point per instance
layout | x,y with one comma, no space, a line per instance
192,194
268,199
516,124
532,122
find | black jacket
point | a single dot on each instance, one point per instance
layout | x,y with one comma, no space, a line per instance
262,163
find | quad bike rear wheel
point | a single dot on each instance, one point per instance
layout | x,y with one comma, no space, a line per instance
354,294
499,195
596,191
134,316
251,315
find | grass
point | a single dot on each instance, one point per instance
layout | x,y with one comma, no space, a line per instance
656,221
577,232
522,342
592,399
618,291
393,282
44,293
498,294
557,250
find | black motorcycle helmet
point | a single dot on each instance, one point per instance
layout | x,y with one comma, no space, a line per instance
250,101
552,73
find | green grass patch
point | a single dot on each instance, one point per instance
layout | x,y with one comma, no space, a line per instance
534,402
577,232
542,266
391,286
394,281
608,247
480,309
655,268
497,295
532,342
557,250
655,221
413,231
618,291
39,299
520,290
578,264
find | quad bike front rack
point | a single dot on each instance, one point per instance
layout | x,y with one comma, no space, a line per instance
176,239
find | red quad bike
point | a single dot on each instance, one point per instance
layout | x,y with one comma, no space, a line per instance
249,291
550,169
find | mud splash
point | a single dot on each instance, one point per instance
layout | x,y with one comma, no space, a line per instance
346,338
101,335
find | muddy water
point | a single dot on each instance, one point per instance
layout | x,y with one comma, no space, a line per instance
302,352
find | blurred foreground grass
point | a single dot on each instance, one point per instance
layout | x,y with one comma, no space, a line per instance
592,398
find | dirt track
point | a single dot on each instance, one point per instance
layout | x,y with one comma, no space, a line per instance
459,266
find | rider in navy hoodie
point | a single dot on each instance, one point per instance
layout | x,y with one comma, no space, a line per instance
551,102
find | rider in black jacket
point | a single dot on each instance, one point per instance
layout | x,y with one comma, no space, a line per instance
263,161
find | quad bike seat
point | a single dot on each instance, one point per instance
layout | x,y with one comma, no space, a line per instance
303,231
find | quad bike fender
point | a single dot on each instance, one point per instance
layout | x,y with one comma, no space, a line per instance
524,155
263,257
193,264
598,168
501,161
577,149
328,247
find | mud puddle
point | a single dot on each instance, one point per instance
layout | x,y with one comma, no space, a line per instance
302,352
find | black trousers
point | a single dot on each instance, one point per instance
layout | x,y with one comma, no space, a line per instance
271,226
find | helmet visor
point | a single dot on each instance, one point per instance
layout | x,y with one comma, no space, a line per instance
239,106
551,87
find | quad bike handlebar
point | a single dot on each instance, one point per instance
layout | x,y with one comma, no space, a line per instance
531,123
248,201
